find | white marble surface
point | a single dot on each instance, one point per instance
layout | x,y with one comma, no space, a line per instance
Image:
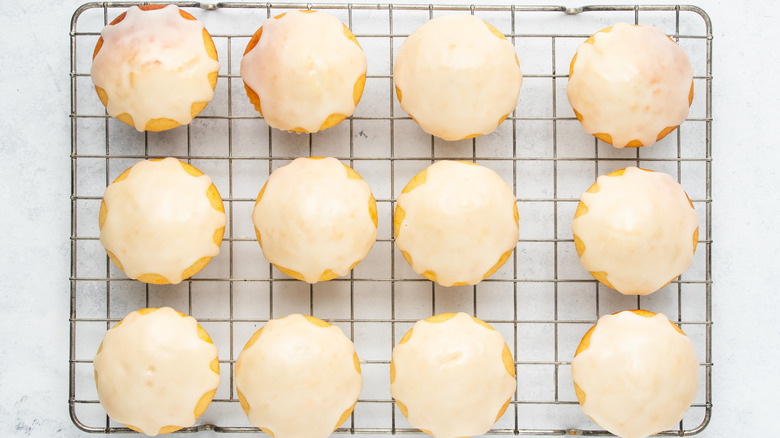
34,148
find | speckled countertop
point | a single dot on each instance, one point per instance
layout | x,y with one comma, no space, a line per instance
34,162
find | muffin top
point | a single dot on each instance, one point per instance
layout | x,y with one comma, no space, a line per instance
452,375
298,376
638,227
304,69
160,220
315,217
153,368
639,374
455,221
457,76
153,64
631,83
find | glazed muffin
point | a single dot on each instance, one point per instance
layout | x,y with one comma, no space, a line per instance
155,67
635,373
304,71
452,375
457,77
635,230
298,376
161,221
630,85
315,219
456,223
156,371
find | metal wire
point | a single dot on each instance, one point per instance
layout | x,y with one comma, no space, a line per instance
108,289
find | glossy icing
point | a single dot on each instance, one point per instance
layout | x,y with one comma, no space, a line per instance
639,228
456,222
154,64
450,377
315,217
298,377
631,83
304,69
159,220
457,77
153,369
639,374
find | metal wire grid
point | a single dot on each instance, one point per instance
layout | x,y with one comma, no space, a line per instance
101,300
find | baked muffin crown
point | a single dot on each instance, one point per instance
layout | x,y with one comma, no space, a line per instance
304,71
156,371
635,373
155,67
452,375
161,221
315,219
457,77
635,230
456,222
298,376
630,85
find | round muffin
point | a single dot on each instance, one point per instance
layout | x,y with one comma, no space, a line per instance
155,67
452,375
304,71
161,221
456,223
635,230
315,219
635,373
298,376
457,77
630,85
156,371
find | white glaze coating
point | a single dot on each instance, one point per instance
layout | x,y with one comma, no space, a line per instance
154,64
638,229
303,68
451,377
631,83
313,217
458,223
153,369
457,78
298,378
639,374
159,220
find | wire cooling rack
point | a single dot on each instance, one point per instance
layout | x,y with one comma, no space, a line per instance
541,300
